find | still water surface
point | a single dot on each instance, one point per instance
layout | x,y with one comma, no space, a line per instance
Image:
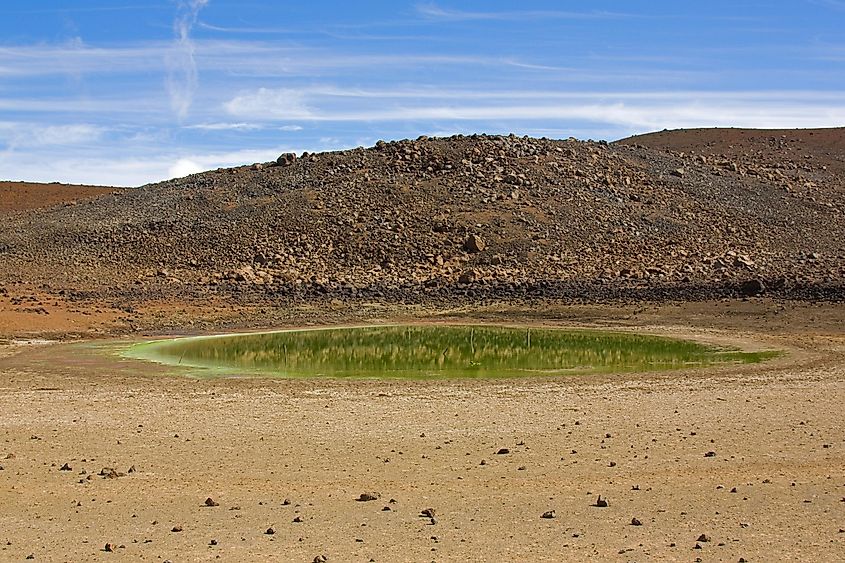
434,352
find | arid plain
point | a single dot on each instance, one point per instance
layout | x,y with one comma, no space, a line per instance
107,458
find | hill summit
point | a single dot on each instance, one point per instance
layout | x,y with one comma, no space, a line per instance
672,215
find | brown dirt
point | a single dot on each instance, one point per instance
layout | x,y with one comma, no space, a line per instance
250,444
24,196
820,147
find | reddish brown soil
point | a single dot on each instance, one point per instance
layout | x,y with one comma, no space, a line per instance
23,196
821,147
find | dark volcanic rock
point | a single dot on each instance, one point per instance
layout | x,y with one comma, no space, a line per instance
460,219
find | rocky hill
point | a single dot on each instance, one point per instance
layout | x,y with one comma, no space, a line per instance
675,215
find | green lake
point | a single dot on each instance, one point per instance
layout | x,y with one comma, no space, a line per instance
433,352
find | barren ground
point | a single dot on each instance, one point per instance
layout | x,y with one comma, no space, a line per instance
639,441
23,196
731,236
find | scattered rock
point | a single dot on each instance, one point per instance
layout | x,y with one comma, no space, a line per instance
177,528
751,288
65,467
601,503
636,522
108,548
270,531
211,502
548,514
366,497
427,512
474,244
703,538
286,159
710,454
503,451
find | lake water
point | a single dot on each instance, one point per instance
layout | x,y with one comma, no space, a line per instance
433,352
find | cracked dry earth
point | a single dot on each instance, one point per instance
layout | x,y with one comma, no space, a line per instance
725,465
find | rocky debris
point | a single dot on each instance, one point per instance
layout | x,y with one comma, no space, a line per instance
270,531
703,538
503,451
366,497
455,218
710,454
65,467
600,502
108,548
475,244
110,473
298,520
548,514
427,513
211,502
286,159
636,522
320,559
751,288
177,528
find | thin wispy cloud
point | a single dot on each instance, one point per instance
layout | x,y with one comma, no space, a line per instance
85,9
645,110
283,103
248,30
182,73
16,135
835,4
225,126
433,11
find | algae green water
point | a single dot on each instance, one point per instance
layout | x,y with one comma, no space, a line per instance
434,352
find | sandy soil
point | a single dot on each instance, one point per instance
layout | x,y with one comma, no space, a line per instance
22,196
271,452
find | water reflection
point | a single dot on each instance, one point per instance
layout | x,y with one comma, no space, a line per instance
454,351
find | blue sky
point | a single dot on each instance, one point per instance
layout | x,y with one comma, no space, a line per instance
123,92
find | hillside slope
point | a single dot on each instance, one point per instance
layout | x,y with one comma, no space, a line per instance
465,216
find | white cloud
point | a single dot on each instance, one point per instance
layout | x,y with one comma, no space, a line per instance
20,134
265,103
431,10
183,167
182,76
225,126
643,110
133,167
